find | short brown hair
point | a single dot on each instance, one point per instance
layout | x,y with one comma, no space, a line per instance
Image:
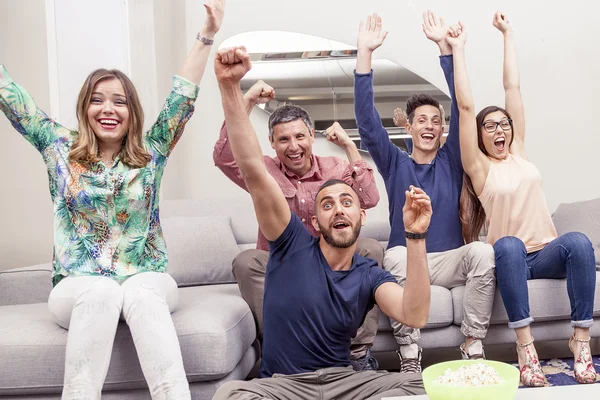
85,148
417,100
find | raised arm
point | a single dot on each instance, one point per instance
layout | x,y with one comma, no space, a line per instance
179,106
475,163
259,93
372,133
272,210
512,85
195,64
410,304
370,37
436,31
357,174
25,116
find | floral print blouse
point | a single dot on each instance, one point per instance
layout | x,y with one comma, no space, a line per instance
106,219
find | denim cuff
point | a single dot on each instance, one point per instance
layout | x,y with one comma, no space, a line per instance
472,332
582,324
520,324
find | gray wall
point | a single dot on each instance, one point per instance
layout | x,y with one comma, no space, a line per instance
25,206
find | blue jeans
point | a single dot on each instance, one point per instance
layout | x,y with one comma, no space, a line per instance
570,255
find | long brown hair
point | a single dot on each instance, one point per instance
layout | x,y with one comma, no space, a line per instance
85,148
472,214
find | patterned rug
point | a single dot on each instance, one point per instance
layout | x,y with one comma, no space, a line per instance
559,371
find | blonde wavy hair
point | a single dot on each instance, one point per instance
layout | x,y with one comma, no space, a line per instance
85,148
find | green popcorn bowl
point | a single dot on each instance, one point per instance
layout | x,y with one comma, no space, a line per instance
501,391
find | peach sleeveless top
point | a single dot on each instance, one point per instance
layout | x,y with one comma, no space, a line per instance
515,205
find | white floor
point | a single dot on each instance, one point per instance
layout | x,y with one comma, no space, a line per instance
546,393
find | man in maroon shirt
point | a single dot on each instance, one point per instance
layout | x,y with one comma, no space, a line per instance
300,173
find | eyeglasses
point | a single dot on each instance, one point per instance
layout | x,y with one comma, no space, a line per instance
491,126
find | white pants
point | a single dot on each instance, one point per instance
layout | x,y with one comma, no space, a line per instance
90,307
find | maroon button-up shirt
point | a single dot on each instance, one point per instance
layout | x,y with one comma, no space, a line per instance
300,192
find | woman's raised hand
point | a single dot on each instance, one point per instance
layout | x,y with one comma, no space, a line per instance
215,11
457,35
501,22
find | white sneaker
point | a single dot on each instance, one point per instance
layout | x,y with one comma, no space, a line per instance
410,358
474,351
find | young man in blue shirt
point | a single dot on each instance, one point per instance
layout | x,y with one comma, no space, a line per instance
318,290
439,172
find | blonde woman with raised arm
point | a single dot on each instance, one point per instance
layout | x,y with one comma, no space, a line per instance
110,257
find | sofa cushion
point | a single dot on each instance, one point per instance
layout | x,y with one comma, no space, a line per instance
448,336
548,301
240,209
26,285
440,311
243,218
582,216
200,249
214,325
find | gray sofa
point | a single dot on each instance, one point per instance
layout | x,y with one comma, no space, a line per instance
549,302
215,327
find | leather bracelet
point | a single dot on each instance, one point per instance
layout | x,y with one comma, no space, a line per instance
412,235
204,40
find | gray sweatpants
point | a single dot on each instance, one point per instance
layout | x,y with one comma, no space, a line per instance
250,268
471,265
338,383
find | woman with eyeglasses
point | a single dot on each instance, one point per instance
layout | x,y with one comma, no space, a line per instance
505,190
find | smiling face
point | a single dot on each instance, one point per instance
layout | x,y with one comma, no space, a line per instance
496,133
338,215
426,129
292,142
108,112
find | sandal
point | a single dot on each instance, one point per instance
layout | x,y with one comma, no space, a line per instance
583,368
531,372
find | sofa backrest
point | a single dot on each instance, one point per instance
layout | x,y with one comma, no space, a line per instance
243,219
581,216
204,236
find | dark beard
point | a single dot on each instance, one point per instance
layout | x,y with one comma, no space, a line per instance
340,243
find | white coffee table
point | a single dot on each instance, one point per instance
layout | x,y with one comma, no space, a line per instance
582,392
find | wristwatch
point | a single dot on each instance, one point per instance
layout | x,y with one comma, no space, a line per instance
204,40
412,235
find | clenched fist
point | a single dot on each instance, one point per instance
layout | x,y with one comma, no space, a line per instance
259,93
337,135
231,65
501,22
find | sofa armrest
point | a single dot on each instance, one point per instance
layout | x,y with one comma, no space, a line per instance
26,285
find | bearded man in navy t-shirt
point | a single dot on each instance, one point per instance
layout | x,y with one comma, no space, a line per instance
318,290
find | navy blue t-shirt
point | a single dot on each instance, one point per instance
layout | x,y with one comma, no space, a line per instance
441,180
310,312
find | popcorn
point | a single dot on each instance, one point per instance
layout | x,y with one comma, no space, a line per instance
471,375
412,192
